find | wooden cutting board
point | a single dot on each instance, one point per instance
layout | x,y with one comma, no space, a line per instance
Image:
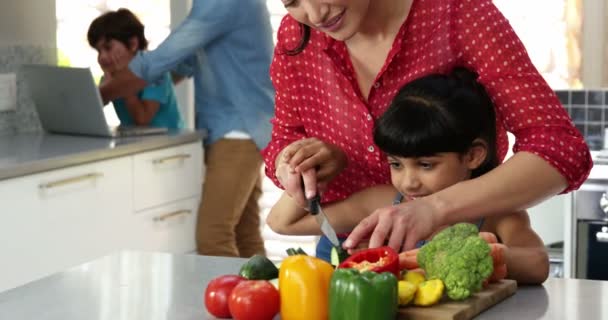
462,310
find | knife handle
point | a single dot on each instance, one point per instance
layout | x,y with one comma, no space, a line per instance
313,203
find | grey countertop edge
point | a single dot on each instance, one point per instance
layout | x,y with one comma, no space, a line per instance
146,144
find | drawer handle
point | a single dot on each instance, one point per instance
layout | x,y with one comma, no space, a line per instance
602,236
171,158
63,182
171,215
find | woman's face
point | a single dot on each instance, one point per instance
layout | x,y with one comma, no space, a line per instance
423,176
340,19
113,55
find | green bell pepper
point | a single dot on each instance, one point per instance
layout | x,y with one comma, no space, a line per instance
362,296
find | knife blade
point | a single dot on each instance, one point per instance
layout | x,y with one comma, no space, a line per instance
314,205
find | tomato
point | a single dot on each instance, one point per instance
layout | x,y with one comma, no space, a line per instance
218,292
254,300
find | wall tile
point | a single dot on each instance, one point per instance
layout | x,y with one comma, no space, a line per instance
595,97
578,97
24,118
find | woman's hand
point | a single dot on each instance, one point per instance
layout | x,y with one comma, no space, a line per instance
402,225
309,160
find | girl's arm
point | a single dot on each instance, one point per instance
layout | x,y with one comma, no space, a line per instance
526,257
142,111
286,217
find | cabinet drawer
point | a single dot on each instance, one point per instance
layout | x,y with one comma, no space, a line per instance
170,228
167,175
61,218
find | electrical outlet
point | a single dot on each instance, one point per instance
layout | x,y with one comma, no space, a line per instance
8,91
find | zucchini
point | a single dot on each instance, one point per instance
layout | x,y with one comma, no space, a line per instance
259,267
338,254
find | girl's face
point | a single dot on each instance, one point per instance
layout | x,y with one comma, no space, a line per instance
113,55
340,19
419,177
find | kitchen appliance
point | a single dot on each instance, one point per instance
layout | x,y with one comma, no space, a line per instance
590,204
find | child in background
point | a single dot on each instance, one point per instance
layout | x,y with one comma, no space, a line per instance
438,131
118,36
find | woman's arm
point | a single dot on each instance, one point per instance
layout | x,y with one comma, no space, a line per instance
286,217
514,185
525,104
525,254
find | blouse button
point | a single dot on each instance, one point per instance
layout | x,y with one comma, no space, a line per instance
377,85
370,149
369,117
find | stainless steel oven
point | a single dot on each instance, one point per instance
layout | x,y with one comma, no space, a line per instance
591,245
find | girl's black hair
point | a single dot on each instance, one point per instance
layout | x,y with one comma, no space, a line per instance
305,32
120,25
439,113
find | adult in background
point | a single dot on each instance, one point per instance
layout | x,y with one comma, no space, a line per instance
227,46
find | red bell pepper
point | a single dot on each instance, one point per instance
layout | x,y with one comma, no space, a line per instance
383,259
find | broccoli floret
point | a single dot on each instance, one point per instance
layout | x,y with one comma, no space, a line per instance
459,257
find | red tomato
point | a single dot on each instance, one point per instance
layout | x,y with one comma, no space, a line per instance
254,300
218,292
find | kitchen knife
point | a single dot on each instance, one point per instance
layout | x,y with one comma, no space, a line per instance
314,205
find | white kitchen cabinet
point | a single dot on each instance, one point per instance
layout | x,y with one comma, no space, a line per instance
168,228
167,175
61,218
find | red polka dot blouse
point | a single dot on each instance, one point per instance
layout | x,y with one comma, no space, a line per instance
317,94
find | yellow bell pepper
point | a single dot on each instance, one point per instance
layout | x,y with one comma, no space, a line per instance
304,287
406,291
429,292
414,277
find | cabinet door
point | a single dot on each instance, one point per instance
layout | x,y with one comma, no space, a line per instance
62,218
164,176
169,228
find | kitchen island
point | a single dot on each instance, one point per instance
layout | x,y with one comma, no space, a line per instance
67,200
29,153
153,286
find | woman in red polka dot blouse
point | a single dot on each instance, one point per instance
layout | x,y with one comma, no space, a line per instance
336,67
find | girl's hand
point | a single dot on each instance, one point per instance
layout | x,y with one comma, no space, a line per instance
312,161
403,225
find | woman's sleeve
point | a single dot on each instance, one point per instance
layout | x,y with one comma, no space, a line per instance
286,124
483,40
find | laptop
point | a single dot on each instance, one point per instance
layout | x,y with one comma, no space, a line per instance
68,102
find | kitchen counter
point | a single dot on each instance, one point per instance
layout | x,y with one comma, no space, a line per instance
150,286
25,154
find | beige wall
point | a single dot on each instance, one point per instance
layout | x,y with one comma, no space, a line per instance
28,22
595,32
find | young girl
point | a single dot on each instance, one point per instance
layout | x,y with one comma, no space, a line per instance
119,35
438,131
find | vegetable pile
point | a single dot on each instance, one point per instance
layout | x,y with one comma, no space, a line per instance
370,284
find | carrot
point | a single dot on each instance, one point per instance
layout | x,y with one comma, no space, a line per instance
407,259
489,237
497,253
500,272
412,252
